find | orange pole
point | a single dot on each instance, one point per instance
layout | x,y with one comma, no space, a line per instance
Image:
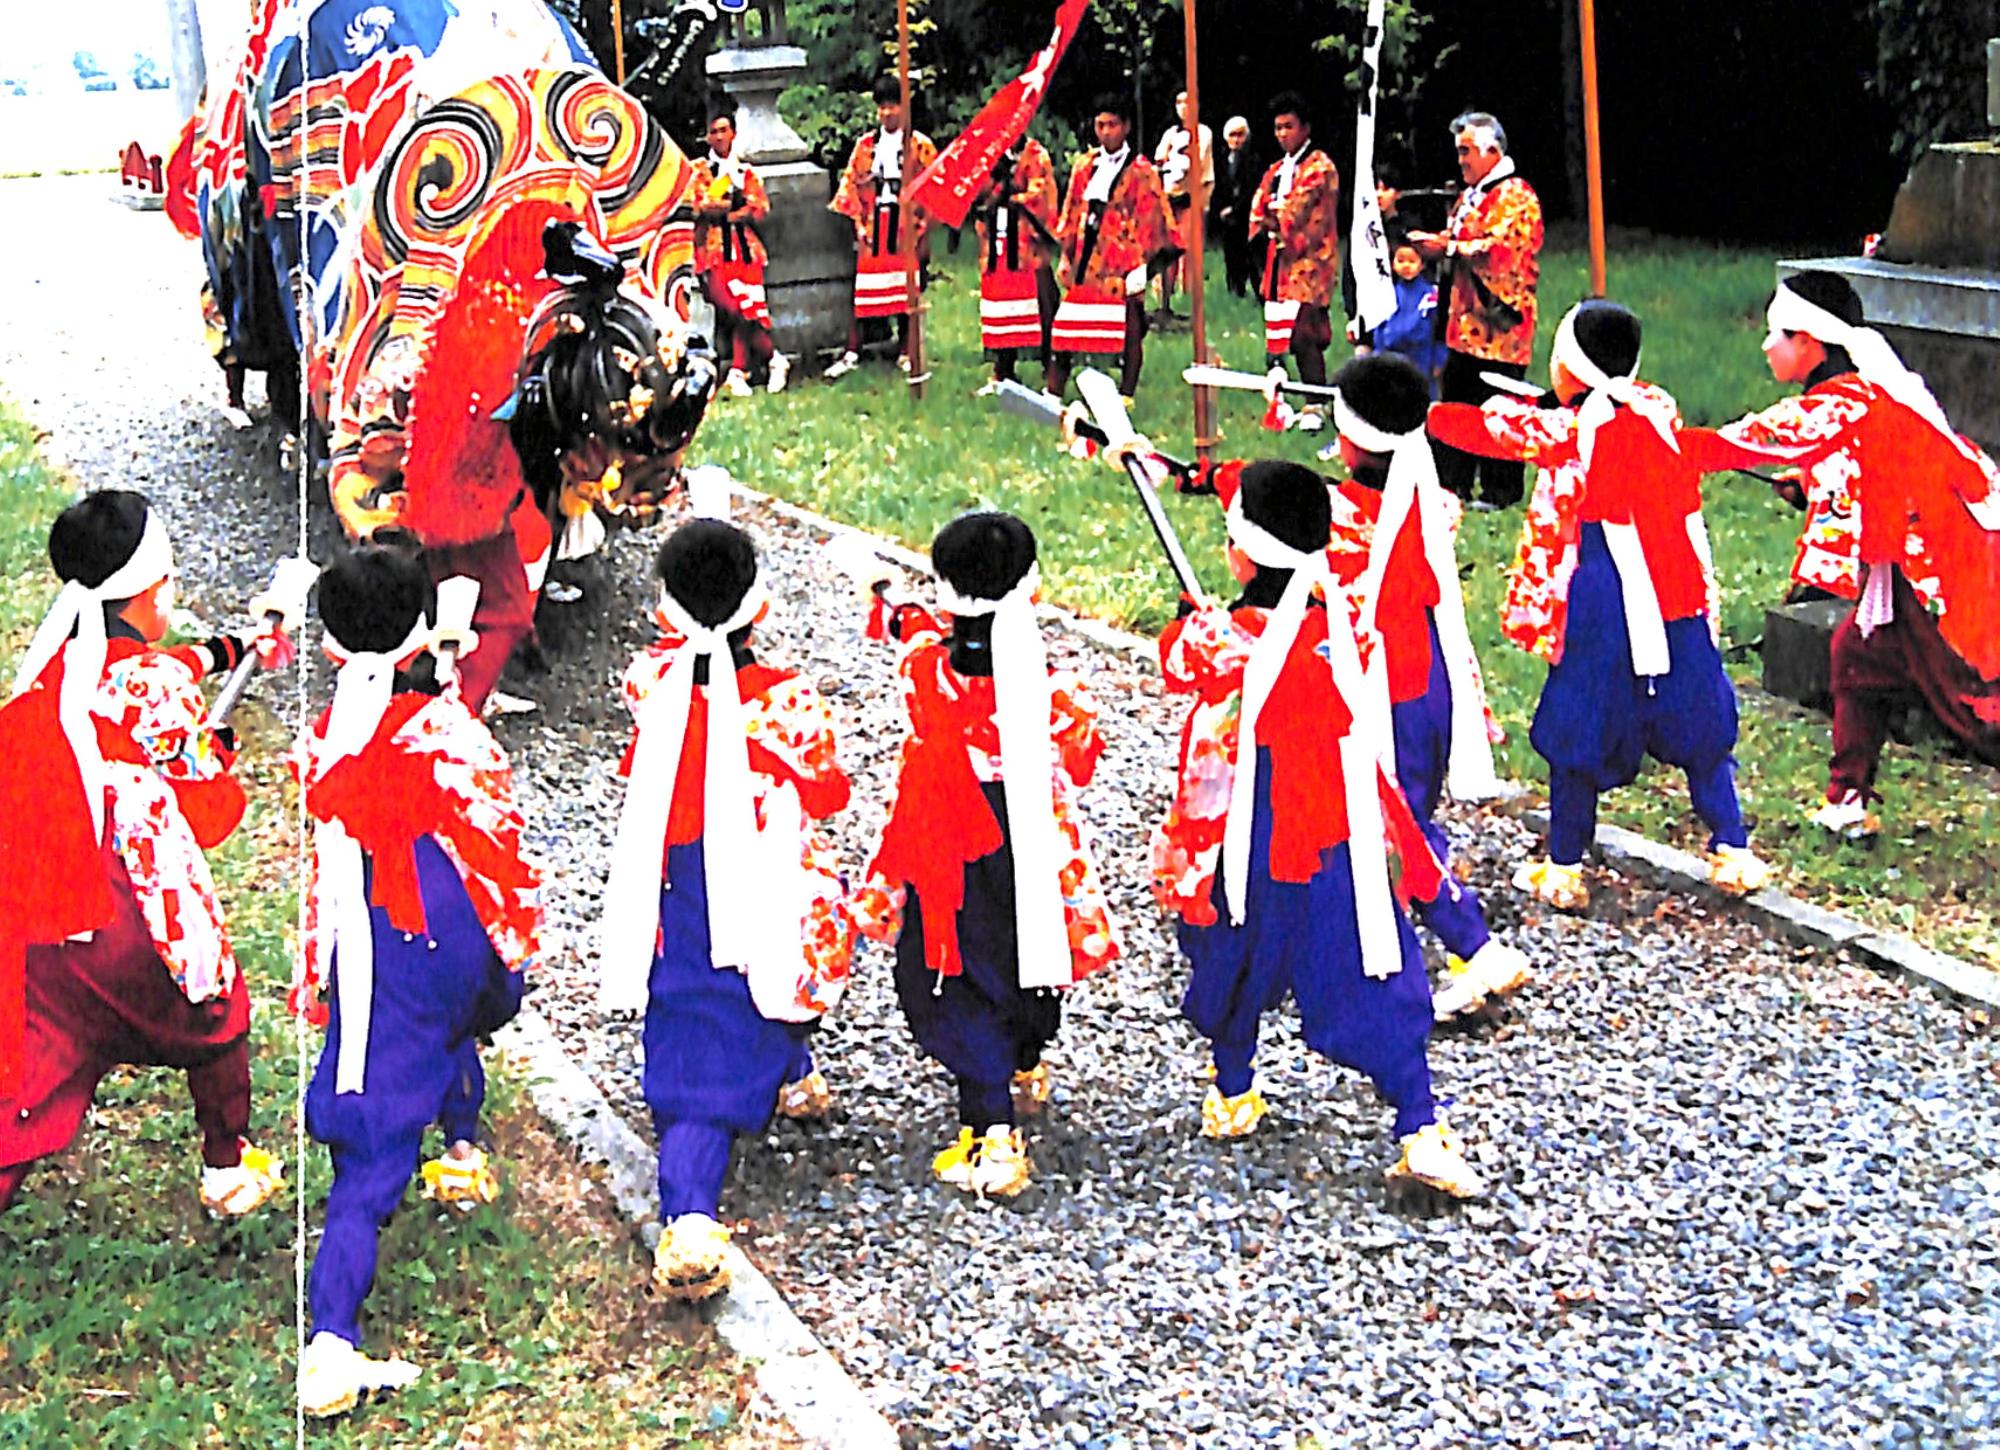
1204,398
1593,154
906,219
618,38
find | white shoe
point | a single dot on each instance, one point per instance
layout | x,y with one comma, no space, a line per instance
845,364
1737,870
237,418
333,1375
1309,422
1551,882
902,362
987,389
781,373
501,703
736,385
691,1260
1431,1156
1494,971
1000,1169
1849,816
244,1187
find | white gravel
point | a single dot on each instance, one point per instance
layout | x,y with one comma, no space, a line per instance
1743,1195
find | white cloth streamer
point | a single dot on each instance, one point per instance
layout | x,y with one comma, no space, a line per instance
1645,629
79,608
361,694
1361,749
1413,483
751,878
1027,775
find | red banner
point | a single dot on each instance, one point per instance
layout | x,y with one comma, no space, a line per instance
949,185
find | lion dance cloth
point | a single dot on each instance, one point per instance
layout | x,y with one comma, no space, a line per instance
370,192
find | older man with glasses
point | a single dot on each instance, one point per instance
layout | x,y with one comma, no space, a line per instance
1489,260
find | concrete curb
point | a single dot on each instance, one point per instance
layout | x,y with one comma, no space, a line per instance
794,1371
1797,920
1774,911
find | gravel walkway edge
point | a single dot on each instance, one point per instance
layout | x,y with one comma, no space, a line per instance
797,1374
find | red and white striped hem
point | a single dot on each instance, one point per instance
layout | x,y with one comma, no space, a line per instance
1279,320
1090,326
881,288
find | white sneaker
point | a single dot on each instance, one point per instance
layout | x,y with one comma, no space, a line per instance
1431,1156
1849,816
691,1260
845,364
1309,422
333,1374
1738,870
237,418
736,385
781,373
501,703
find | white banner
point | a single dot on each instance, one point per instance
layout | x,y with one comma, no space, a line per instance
1368,243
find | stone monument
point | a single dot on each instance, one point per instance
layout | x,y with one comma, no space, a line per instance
810,279
1933,289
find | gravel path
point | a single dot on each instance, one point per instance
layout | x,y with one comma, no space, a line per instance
1742,1195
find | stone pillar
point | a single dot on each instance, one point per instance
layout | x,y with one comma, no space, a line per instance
184,39
810,280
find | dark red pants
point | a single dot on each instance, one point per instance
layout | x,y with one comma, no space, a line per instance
96,1005
1900,664
505,614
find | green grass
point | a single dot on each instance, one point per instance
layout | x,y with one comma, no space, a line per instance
128,1318
863,452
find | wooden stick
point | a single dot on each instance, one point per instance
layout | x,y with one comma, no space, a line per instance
618,39
1592,152
906,219
1204,399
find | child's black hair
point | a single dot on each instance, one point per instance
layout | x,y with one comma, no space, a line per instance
708,566
982,556
1112,103
888,91
1289,502
601,375
1290,103
1609,335
1385,390
97,535
1830,292
371,597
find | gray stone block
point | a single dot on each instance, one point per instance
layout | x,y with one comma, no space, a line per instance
1964,980
1797,650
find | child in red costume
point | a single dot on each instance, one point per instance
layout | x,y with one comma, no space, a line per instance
1615,588
1902,515
725,916
984,878
113,948
1276,853
421,915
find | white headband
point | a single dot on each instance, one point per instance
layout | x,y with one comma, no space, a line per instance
78,609
1874,358
1413,484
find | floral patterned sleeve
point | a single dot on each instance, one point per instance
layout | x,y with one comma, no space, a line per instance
847,197
1073,712
1204,653
1798,431
1508,428
152,698
793,723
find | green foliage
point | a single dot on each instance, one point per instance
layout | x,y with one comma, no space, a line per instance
1930,69
860,452
1411,57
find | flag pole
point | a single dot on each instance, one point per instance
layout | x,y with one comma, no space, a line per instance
618,38
906,222
1204,399
1592,151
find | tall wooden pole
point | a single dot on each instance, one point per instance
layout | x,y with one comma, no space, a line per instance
618,38
906,220
1204,398
1593,157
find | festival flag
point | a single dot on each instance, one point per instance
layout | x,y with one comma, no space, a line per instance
1368,245
947,187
